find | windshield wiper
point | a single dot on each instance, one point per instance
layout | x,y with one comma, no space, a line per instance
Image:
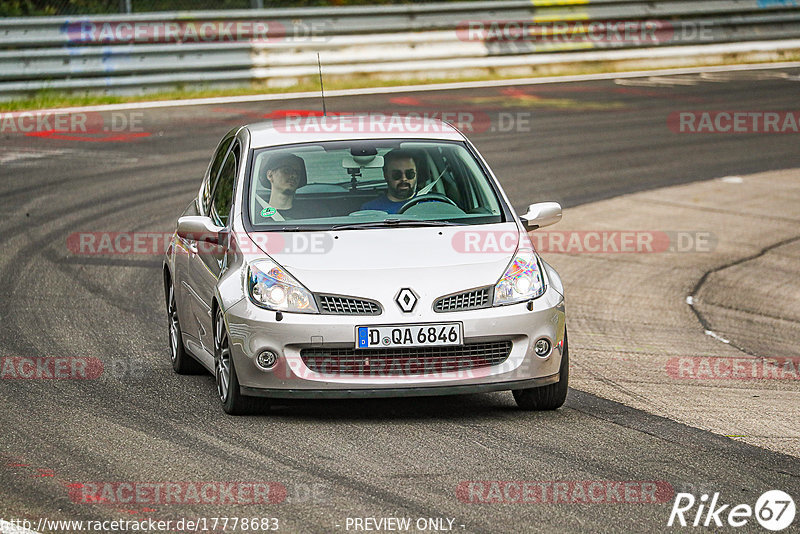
308,228
392,223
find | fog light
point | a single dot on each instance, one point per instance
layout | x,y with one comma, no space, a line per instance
266,360
542,347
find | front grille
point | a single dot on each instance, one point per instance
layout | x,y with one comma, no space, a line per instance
468,300
336,305
405,361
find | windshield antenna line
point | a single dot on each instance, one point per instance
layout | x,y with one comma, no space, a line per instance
321,87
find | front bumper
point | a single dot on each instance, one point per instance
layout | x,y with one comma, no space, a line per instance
253,329
398,392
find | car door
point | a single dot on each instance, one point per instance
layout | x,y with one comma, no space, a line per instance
187,250
206,265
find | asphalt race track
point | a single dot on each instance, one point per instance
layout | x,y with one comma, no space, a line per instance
139,423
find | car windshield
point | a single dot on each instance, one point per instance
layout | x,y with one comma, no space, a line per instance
363,184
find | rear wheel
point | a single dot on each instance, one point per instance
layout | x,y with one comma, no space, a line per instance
548,397
182,362
233,402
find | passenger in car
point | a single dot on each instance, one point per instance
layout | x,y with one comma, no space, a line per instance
400,173
284,175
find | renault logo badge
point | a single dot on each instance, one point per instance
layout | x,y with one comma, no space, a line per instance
406,299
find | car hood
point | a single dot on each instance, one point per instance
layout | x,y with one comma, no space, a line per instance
377,263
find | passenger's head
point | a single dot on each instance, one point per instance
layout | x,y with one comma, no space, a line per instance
286,173
400,173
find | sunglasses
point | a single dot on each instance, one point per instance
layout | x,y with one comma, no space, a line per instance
397,174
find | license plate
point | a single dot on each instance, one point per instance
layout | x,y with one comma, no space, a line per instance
417,335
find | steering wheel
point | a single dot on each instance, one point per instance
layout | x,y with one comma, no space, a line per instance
427,197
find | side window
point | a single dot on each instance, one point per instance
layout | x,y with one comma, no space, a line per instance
223,192
213,170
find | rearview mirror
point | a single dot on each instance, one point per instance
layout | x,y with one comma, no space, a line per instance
199,228
541,214
364,162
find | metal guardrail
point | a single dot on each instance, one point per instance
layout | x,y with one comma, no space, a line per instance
139,52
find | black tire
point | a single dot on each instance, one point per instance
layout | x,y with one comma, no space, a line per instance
550,397
233,402
182,361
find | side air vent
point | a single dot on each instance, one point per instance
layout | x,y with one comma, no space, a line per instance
338,305
467,300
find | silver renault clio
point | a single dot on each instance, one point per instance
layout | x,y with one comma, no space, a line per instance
338,259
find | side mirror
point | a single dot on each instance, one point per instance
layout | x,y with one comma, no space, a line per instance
199,229
541,214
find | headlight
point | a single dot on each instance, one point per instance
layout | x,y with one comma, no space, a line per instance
272,287
521,281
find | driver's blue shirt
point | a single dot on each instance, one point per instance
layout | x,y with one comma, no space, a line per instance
382,203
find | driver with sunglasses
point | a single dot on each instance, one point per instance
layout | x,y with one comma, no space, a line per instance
400,173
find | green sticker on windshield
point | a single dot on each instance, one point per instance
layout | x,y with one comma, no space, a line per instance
268,212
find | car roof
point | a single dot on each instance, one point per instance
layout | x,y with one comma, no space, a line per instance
309,129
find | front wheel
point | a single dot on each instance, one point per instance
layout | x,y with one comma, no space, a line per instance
233,402
548,397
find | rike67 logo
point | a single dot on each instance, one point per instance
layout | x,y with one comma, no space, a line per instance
774,510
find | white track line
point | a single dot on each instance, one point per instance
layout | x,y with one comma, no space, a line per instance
420,88
717,336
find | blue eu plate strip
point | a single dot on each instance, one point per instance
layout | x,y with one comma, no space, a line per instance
363,337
